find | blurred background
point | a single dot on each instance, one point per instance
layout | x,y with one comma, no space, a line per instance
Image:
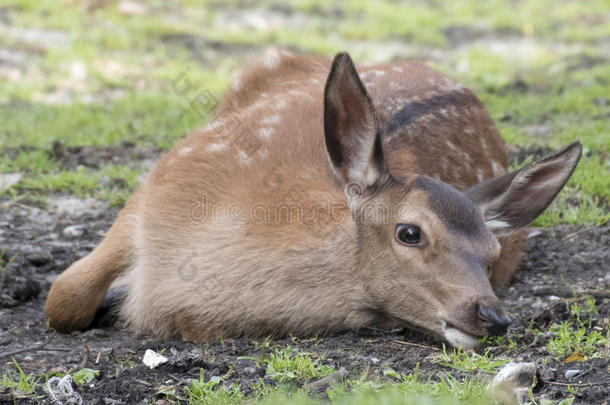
88,95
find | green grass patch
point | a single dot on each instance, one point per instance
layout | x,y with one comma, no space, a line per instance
146,118
19,382
579,335
468,362
287,365
212,392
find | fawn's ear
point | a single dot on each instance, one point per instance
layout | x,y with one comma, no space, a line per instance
350,127
515,199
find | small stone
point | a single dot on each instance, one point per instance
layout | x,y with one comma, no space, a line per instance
571,373
323,384
73,231
513,381
249,370
39,258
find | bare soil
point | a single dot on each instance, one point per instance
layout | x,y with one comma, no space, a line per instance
564,264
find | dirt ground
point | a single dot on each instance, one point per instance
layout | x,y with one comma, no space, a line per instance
563,263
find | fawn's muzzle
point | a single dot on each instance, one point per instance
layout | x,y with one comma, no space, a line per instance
496,323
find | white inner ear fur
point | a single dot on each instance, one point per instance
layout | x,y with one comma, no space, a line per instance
363,170
496,224
361,167
492,210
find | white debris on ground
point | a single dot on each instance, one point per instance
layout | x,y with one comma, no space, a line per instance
62,391
513,382
73,231
153,359
9,179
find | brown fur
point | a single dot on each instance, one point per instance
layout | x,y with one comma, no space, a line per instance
196,263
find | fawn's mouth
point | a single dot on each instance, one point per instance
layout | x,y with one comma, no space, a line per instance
457,337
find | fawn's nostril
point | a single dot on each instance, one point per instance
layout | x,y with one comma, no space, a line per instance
498,323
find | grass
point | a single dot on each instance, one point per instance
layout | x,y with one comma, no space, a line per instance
579,337
18,381
211,392
468,362
287,365
408,390
289,368
570,338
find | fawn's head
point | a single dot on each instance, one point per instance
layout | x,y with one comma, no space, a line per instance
426,248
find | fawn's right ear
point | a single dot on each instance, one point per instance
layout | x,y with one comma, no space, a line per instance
350,127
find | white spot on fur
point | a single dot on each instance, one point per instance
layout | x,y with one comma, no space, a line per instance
450,85
314,81
496,168
271,120
266,132
281,104
236,82
215,147
185,151
272,59
397,69
480,175
216,125
263,153
244,157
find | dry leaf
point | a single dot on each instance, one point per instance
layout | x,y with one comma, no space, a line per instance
575,357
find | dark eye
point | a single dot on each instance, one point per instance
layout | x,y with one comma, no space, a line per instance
408,234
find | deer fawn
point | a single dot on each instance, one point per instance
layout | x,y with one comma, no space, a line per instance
308,206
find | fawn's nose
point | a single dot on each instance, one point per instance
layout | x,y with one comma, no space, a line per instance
496,323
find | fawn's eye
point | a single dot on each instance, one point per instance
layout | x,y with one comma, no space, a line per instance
408,234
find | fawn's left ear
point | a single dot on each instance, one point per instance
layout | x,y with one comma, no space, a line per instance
515,199
350,127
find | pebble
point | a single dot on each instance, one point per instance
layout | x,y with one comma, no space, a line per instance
39,258
514,380
249,370
73,231
572,373
323,384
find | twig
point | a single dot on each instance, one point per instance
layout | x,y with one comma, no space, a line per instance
577,384
402,342
26,349
573,234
